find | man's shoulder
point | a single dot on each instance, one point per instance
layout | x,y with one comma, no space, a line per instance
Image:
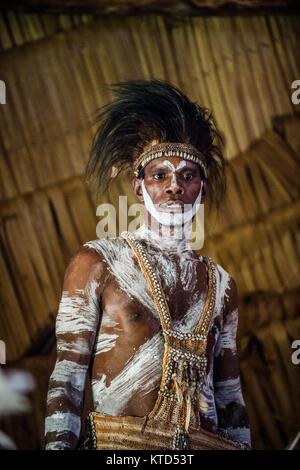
221,269
227,286
112,247
83,258
95,253
104,243
224,276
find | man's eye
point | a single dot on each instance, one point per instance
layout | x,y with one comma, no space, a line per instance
158,176
187,176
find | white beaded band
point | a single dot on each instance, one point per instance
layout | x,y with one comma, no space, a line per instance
170,149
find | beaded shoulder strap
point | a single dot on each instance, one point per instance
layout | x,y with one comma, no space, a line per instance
205,319
159,297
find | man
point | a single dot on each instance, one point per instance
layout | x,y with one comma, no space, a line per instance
152,322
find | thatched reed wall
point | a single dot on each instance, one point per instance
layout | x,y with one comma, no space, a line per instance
242,68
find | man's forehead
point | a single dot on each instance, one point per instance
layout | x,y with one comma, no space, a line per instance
171,163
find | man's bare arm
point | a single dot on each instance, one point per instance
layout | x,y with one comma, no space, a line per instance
76,326
230,405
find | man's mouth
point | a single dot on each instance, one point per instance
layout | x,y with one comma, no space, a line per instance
177,206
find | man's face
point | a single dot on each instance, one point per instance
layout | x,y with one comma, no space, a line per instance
171,182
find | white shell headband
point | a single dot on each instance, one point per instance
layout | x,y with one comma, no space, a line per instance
169,149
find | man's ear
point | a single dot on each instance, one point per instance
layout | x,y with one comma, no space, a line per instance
136,185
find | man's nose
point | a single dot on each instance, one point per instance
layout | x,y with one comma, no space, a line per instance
174,188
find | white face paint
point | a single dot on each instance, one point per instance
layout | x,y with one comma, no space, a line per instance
167,218
174,168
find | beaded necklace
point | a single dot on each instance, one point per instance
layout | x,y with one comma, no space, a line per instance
184,360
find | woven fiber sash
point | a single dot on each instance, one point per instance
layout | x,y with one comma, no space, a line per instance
130,433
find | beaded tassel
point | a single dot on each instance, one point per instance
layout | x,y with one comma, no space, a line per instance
180,440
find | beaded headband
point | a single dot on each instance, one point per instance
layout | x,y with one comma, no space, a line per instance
169,149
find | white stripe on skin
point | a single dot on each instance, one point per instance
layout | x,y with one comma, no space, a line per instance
74,323
77,312
188,273
172,167
70,372
191,318
166,266
227,391
76,345
141,374
207,395
60,422
111,310
105,342
59,392
107,321
58,445
227,337
223,279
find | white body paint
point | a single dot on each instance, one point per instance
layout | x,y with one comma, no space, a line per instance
60,391
227,336
78,316
61,422
76,345
230,388
141,374
173,260
105,342
69,320
107,321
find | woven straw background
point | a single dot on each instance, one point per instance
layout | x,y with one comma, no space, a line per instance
55,69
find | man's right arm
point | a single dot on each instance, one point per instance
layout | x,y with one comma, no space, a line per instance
76,326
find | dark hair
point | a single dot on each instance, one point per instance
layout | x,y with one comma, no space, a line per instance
144,110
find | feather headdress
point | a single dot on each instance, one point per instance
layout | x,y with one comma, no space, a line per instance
153,111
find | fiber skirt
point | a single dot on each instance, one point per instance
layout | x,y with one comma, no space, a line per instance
135,433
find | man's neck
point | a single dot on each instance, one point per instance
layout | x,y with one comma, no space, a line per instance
174,239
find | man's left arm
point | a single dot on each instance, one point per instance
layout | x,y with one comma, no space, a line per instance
230,405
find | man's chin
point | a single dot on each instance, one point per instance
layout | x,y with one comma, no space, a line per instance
170,210
172,224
